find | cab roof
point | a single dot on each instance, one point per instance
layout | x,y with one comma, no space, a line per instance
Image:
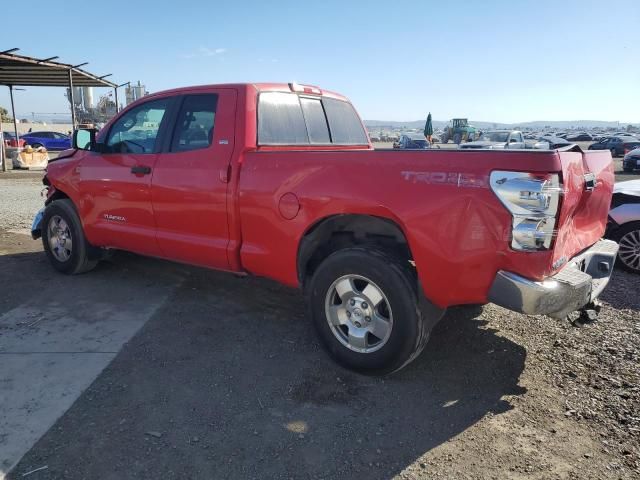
260,87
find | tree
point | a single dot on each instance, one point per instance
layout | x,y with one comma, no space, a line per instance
4,115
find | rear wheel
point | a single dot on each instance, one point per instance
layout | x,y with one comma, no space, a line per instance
457,138
628,237
364,306
63,239
613,153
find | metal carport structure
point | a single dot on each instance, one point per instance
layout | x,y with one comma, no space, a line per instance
22,71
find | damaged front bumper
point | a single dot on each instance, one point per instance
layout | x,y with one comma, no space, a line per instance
578,284
36,226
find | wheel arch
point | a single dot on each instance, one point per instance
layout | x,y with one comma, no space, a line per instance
57,195
337,231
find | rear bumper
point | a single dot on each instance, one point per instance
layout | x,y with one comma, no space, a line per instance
579,283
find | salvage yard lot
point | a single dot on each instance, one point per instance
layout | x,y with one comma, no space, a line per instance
178,372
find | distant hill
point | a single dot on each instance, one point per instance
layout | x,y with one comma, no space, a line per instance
574,124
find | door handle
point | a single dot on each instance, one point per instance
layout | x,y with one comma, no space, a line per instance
141,169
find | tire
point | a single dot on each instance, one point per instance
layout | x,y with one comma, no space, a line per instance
627,169
457,139
628,237
386,302
613,153
63,239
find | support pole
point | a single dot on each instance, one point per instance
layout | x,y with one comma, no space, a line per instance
13,112
115,90
3,155
73,105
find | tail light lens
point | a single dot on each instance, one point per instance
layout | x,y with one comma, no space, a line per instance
533,201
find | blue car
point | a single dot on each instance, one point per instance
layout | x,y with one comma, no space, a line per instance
48,140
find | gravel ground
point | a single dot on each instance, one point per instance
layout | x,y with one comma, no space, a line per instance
20,198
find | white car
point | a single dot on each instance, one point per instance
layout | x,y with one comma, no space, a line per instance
624,223
497,140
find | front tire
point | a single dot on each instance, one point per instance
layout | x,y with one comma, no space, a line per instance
364,306
63,239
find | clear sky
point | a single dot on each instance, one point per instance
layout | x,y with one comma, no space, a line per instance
491,60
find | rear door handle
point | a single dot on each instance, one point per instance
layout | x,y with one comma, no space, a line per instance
141,169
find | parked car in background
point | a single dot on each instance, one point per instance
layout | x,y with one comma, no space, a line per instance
618,146
48,140
631,160
624,223
580,137
622,134
497,139
415,141
9,140
552,142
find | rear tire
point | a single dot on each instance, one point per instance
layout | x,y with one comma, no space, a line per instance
63,239
628,237
457,139
613,153
364,306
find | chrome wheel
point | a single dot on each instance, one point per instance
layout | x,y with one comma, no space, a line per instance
358,313
629,251
60,242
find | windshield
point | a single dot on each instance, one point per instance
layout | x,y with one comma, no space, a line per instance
494,137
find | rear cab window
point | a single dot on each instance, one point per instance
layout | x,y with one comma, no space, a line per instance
292,119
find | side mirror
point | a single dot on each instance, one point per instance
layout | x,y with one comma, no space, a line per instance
84,139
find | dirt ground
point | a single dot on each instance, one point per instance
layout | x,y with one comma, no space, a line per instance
226,380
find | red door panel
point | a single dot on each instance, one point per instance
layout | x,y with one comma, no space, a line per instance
116,203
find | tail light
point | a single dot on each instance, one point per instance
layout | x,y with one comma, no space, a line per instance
533,201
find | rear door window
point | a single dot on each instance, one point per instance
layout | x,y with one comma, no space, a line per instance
195,123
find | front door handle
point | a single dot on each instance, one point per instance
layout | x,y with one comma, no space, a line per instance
141,170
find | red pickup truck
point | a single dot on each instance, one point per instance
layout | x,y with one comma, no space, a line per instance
281,181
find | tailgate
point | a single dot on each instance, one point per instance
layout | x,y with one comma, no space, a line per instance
583,216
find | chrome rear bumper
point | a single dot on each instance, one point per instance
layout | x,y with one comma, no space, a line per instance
579,283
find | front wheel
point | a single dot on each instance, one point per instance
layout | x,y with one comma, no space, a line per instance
63,239
364,306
